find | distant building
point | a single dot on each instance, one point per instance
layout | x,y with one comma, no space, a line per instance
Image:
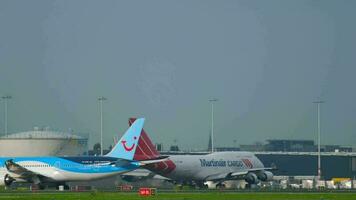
335,148
159,147
174,148
300,146
227,149
253,147
290,145
333,164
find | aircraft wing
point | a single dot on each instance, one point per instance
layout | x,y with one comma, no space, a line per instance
159,177
21,172
261,169
155,160
235,175
217,177
140,174
227,176
122,162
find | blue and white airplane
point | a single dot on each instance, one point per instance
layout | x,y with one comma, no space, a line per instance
59,170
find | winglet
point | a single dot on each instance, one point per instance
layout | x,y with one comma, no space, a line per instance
126,147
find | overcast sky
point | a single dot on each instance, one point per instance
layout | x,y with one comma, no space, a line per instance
266,62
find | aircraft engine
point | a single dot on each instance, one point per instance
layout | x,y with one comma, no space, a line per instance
251,178
130,178
7,180
266,176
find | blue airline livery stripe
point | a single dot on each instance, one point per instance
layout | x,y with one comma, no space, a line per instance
76,164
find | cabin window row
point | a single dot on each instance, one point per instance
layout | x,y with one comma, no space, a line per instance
35,165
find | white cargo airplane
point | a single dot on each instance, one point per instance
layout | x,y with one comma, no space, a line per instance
58,170
215,167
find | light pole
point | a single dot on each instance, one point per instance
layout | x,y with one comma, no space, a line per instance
319,157
101,99
7,97
212,122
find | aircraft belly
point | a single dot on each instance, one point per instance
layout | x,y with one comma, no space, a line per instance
206,172
62,175
187,173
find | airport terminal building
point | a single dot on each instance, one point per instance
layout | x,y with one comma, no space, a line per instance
333,164
300,158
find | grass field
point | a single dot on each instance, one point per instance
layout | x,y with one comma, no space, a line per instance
181,196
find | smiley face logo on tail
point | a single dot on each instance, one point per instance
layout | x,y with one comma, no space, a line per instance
126,147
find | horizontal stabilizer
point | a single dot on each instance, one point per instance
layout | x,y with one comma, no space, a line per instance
124,162
152,161
139,173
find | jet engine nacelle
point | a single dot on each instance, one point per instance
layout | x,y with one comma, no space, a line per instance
251,178
6,180
266,176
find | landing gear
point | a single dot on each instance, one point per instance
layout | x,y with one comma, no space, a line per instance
197,185
41,186
248,186
251,186
201,185
220,186
64,185
189,185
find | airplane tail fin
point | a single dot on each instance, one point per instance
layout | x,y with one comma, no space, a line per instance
127,146
146,153
145,150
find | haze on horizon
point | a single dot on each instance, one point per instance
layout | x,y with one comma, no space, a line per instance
266,62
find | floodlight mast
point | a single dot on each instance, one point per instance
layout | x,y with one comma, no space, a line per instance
6,98
319,133
212,122
101,99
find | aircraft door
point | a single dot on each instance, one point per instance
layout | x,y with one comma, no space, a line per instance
57,164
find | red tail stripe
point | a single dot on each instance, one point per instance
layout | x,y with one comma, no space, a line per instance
146,150
154,151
